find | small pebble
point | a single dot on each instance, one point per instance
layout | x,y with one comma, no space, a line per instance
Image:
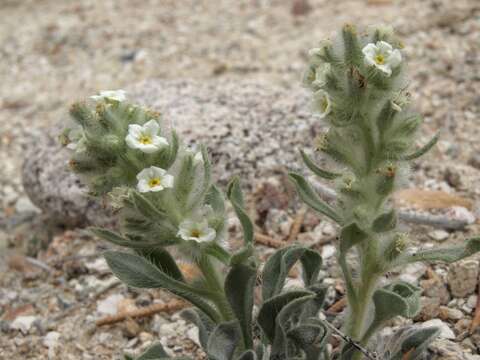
439,235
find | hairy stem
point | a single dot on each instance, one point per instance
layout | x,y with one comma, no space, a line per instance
215,283
356,321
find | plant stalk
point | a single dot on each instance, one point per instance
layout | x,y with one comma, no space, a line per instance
215,283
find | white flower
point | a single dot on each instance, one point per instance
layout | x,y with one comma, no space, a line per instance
153,179
117,95
196,231
322,102
145,138
382,56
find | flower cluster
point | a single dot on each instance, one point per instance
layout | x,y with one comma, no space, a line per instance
165,174
376,58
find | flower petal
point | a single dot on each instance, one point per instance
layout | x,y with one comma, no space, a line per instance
157,188
369,50
386,69
131,141
157,172
159,142
135,130
384,47
395,58
144,174
143,186
209,235
151,127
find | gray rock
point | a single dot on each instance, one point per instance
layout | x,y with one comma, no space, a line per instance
445,331
252,129
23,323
463,277
53,188
448,350
447,313
439,235
429,308
24,205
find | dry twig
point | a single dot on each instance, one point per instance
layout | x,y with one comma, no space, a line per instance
38,263
269,241
169,307
297,224
337,307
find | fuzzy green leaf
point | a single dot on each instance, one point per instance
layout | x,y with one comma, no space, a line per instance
279,264
235,196
308,195
154,352
449,255
385,117
239,289
248,355
136,271
350,236
82,114
243,256
223,341
411,340
162,259
311,261
185,180
217,251
272,307
423,150
119,240
234,192
385,222
317,170
310,338
173,150
207,177
146,207
313,307
398,298
207,169
288,318
419,341
215,199
353,54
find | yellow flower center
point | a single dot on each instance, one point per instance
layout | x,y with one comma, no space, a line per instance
195,233
145,139
154,182
380,59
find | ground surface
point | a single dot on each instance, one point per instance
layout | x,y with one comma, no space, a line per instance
54,52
